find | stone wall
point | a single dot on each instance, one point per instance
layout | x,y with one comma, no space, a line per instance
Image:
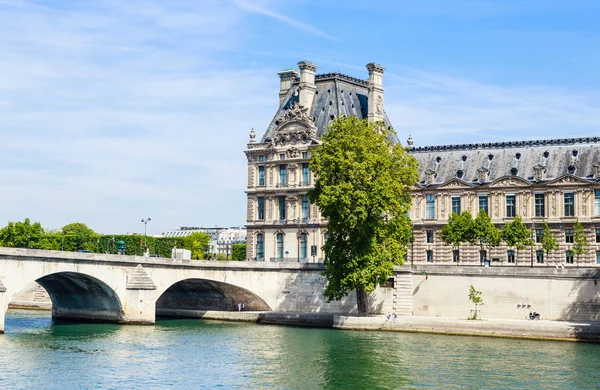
507,292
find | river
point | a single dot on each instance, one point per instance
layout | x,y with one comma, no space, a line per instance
196,354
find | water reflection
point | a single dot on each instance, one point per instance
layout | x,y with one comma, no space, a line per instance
202,354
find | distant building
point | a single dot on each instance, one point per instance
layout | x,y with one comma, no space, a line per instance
553,180
221,238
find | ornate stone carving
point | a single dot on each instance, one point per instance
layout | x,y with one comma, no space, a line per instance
568,179
296,112
483,174
540,172
597,171
430,176
585,197
270,208
525,197
293,152
379,106
510,182
252,136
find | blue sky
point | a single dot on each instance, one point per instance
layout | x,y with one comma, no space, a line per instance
112,111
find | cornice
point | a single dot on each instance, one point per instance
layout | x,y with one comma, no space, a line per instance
507,144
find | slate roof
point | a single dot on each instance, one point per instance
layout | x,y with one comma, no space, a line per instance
336,94
558,156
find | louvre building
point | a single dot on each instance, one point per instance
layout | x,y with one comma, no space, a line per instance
553,180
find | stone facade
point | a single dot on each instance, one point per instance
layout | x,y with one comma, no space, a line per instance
282,225
557,181
553,180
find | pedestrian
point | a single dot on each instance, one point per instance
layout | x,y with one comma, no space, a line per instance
239,306
388,316
394,316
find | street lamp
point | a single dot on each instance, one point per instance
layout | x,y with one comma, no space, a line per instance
145,222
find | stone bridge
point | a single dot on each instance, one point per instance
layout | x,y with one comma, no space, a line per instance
134,289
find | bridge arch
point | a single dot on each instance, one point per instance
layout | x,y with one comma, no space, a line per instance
80,296
197,294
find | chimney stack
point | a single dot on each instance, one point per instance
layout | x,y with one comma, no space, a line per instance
375,109
286,79
307,84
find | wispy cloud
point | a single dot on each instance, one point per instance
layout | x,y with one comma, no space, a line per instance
254,8
438,109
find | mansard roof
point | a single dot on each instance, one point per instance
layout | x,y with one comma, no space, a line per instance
336,94
576,157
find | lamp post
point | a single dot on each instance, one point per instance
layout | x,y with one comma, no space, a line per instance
145,222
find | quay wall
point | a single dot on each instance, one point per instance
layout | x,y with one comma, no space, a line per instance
569,294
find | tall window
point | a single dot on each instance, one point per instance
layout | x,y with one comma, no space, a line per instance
540,206
305,174
280,245
597,235
302,249
430,206
510,254
483,203
539,256
261,176
538,235
455,255
569,236
510,206
304,154
569,257
283,175
569,204
260,212
261,158
597,202
430,256
260,246
597,257
305,207
456,204
429,234
281,208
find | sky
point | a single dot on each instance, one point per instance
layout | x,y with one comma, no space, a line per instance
112,111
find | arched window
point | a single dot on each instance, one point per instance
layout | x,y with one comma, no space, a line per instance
280,245
260,246
302,246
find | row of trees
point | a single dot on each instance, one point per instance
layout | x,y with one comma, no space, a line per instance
462,228
79,237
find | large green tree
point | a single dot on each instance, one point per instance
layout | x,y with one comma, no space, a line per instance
516,235
22,234
238,252
549,243
459,230
197,243
580,241
362,188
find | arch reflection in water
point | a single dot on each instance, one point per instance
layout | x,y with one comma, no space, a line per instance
188,296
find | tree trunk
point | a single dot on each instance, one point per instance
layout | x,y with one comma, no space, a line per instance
362,301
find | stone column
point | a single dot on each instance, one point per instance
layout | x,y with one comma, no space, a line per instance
375,92
286,79
140,300
307,84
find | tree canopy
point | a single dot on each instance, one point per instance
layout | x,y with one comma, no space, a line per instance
549,243
362,188
22,234
580,241
458,230
516,235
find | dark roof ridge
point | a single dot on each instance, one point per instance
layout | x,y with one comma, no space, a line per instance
507,144
341,76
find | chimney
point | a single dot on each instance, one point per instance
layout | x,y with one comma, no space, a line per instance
286,78
307,84
375,110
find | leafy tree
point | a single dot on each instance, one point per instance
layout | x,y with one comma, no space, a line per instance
516,235
22,234
548,240
362,188
459,229
197,243
485,232
77,236
475,298
580,241
238,252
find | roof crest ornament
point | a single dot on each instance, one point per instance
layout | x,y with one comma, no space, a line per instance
509,144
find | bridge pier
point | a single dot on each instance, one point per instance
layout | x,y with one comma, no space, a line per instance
139,304
3,306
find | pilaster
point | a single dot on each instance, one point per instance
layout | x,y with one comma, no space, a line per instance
140,305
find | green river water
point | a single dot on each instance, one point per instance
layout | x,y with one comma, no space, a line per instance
196,354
